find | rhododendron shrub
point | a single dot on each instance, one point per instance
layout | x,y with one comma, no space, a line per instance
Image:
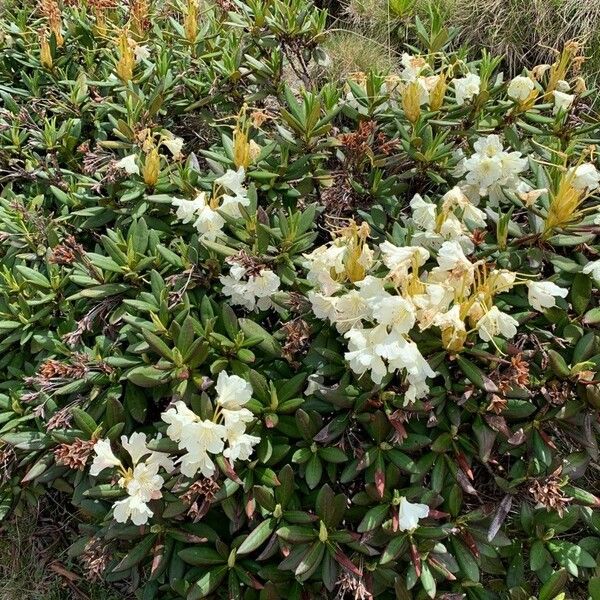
271,336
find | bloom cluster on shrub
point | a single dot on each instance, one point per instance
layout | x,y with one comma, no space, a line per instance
275,336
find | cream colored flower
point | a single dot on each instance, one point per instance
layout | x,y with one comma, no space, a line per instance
562,101
494,322
409,514
520,88
541,294
585,177
467,87
129,165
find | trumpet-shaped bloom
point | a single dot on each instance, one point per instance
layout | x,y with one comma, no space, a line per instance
409,514
232,391
585,177
104,458
520,88
494,322
134,508
466,88
543,294
129,165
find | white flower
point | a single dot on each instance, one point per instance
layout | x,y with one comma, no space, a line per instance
263,286
191,463
466,88
410,513
232,391
512,164
141,52
520,88
233,181
491,168
323,264
144,482
129,165
134,508
541,294
423,213
452,258
494,323
585,177
254,292
230,205
456,198
435,300
413,66
175,145
203,436
351,308
323,307
483,172
187,210
399,258
396,312
136,446
178,417
104,457
209,223
489,146
372,289
562,101
240,444
593,269
363,354
405,355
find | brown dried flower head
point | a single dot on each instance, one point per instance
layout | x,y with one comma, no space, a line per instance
74,455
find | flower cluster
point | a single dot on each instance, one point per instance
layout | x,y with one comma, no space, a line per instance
206,211
490,169
141,479
249,284
452,220
224,433
390,292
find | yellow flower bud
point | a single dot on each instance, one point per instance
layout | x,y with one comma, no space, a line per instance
151,168
241,148
126,57
436,96
580,86
45,52
411,101
190,22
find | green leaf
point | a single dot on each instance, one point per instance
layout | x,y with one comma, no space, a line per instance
465,560
475,375
265,341
373,518
314,471
554,585
207,583
296,534
137,554
581,292
257,536
84,421
146,376
33,276
201,556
